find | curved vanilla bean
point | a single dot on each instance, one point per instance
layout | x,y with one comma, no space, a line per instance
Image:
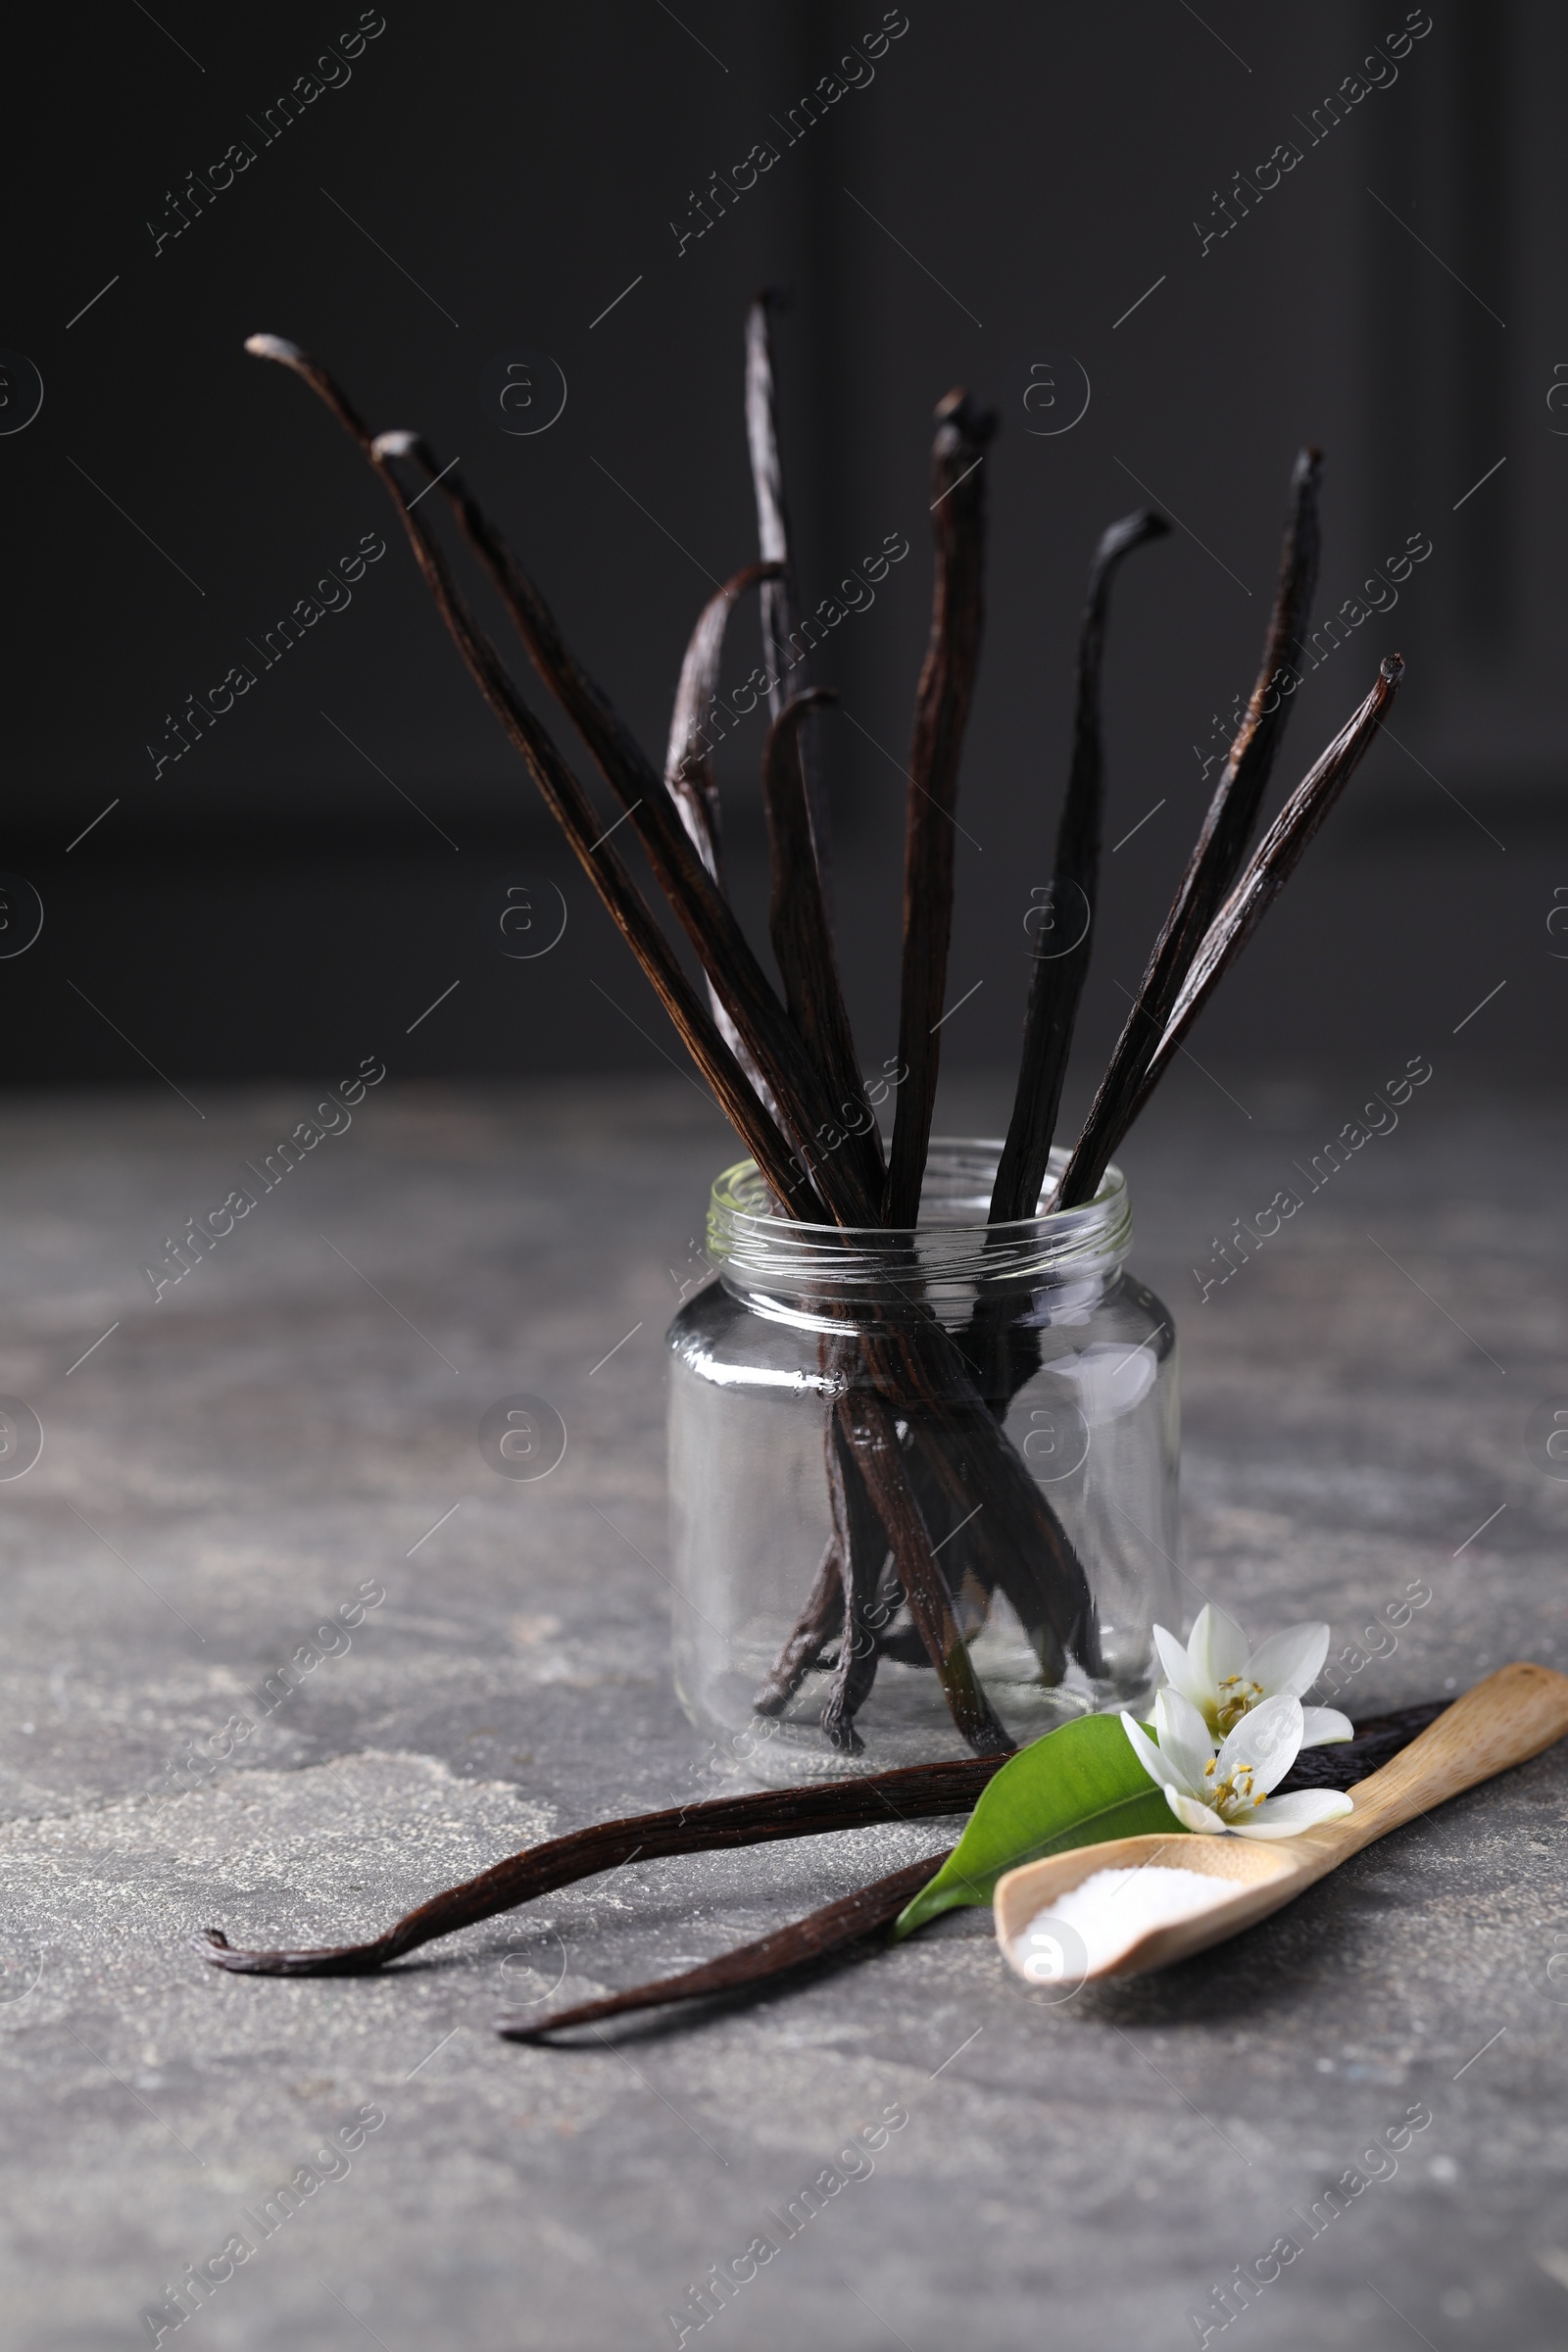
941,712
912,1793
837,1928
568,800
854,1918
780,653
310,370
1219,849
688,762
1268,870
689,769
1057,983
803,943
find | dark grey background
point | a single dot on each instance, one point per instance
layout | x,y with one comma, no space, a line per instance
273,904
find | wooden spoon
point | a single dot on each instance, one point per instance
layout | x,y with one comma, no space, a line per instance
1503,1721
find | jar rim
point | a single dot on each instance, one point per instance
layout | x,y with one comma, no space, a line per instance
754,1246
942,1155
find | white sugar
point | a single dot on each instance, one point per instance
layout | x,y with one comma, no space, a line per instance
1108,1913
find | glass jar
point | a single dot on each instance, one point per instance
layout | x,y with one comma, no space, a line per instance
923,1484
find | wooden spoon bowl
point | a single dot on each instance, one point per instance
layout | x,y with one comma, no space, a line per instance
1501,1722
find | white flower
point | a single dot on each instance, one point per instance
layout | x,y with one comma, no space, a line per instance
1228,1789
1215,1674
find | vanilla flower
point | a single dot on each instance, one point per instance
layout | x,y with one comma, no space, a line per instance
1215,1674
1215,1790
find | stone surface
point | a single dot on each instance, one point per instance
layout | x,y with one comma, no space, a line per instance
296,1420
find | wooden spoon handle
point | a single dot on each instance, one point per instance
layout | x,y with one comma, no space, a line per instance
1501,1722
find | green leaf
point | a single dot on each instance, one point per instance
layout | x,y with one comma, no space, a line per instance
1078,1785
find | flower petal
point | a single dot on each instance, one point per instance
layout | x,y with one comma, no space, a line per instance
1288,1816
1148,1755
1325,1724
1178,1666
1192,1814
1217,1648
1290,1661
1266,1740
1186,1742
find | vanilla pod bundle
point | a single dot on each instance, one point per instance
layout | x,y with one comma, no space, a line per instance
934,1509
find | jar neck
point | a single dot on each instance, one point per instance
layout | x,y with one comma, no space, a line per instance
952,1266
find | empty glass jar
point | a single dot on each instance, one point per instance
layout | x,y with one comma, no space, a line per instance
923,1484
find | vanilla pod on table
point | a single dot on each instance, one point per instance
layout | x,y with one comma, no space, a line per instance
912,1793
851,1926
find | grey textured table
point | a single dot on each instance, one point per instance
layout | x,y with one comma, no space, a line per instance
297,1418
